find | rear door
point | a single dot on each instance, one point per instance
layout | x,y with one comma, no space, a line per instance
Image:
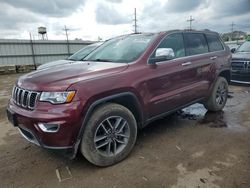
202,62
218,54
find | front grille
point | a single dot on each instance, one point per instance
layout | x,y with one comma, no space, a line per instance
24,98
241,66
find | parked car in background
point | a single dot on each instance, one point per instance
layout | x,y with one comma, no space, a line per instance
78,56
97,107
234,44
241,64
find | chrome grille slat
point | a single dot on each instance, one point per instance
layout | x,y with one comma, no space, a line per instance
13,93
17,90
28,99
24,98
241,65
18,96
16,93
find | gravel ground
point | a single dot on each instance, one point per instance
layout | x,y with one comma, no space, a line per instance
191,148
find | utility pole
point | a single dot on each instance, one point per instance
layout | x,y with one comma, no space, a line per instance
33,52
232,29
135,22
66,33
190,22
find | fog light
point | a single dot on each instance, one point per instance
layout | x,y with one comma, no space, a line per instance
49,127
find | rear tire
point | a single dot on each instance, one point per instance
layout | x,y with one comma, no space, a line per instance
218,98
109,135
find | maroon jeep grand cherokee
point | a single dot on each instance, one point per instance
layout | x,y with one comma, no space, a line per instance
97,105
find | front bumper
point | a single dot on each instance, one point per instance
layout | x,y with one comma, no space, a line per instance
68,116
240,77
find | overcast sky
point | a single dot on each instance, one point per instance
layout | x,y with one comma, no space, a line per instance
90,19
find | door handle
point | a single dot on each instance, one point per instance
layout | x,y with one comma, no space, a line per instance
186,64
213,58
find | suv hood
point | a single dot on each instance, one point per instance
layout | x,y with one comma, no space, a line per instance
55,63
241,55
59,78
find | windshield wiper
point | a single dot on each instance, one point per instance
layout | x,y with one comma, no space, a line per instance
102,60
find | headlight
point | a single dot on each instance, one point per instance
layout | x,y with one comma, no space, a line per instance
57,97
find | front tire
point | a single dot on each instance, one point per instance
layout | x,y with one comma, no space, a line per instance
218,98
109,135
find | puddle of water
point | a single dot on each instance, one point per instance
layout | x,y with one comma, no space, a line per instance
214,119
198,112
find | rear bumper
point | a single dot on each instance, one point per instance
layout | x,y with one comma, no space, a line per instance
68,116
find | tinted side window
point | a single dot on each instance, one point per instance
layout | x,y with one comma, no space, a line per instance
214,43
174,41
195,43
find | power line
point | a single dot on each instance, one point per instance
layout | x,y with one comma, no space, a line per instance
190,22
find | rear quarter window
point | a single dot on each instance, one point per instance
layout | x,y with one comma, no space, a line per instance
195,43
214,43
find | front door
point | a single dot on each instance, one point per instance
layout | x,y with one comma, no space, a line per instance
170,81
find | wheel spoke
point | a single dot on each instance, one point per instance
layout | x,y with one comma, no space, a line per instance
120,141
122,126
109,148
103,144
111,126
217,100
106,131
117,123
224,92
222,99
122,135
99,138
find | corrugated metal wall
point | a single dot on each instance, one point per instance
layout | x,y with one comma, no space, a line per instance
19,52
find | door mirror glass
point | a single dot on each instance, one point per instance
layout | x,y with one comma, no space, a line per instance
168,53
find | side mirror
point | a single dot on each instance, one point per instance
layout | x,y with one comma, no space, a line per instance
165,52
162,54
233,50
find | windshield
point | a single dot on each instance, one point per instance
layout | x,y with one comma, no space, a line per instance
82,53
122,49
245,47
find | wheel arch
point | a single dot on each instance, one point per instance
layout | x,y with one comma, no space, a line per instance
225,74
127,99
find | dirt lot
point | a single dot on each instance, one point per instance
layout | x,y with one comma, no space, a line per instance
192,148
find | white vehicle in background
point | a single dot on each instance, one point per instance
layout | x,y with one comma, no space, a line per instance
234,44
78,56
